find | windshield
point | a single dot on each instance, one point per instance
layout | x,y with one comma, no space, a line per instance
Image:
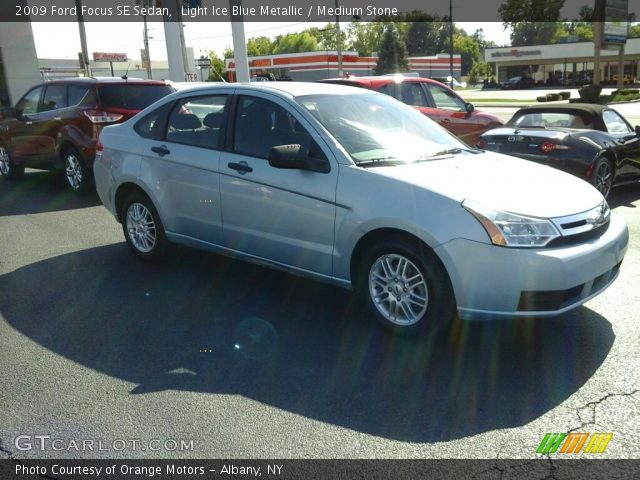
132,96
550,119
373,127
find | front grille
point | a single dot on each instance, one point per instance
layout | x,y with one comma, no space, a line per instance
579,238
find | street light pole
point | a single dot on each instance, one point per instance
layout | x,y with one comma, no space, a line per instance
83,39
338,40
451,41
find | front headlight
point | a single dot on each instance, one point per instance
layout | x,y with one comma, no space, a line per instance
512,230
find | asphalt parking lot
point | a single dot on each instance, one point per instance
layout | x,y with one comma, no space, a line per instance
245,362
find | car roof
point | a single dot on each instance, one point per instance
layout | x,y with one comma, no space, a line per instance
109,80
578,108
293,89
379,80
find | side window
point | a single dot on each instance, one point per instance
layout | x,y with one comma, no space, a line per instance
78,94
413,94
445,99
261,125
55,97
615,123
29,103
152,125
390,89
198,121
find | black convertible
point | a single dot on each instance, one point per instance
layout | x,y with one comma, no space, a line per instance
593,142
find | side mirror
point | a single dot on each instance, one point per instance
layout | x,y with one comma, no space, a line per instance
469,107
638,130
296,157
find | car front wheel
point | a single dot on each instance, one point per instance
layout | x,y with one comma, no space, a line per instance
602,177
143,229
406,288
7,168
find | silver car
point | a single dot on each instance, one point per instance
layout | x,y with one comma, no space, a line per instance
355,188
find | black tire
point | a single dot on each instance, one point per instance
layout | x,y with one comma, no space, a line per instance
399,294
8,169
143,229
76,173
602,176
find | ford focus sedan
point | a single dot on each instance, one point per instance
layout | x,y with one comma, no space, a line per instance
358,189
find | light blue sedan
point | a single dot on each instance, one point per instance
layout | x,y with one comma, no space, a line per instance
355,188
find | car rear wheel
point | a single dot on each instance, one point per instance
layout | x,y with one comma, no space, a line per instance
406,288
143,228
602,177
78,176
7,168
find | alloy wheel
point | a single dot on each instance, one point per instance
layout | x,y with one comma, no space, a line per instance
141,227
398,289
73,171
5,166
603,178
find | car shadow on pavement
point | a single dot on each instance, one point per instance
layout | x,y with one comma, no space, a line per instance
38,192
205,323
624,195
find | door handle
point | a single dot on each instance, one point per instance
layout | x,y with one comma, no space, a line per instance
28,122
241,167
445,120
161,150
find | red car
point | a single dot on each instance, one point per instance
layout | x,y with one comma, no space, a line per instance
434,99
55,126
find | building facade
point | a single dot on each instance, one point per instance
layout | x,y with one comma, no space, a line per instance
311,66
564,63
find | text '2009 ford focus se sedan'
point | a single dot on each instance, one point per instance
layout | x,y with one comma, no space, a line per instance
353,187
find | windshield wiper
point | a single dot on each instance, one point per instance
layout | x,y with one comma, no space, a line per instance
380,162
449,151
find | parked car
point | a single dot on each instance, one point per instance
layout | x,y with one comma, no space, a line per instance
434,99
593,142
55,126
519,83
355,188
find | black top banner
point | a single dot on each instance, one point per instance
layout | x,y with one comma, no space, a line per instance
283,10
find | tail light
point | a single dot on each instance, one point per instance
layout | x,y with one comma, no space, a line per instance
99,116
482,143
547,146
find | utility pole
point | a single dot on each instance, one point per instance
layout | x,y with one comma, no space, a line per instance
239,44
83,40
145,36
338,40
451,41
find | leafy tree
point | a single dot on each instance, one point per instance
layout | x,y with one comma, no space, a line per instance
259,46
634,31
480,70
392,54
327,37
228,52
218,69
427,36
294,43
532,21
468,49
364,38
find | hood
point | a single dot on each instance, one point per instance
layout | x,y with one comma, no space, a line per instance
501,182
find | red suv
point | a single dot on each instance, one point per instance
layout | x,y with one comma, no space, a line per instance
55,126
434,99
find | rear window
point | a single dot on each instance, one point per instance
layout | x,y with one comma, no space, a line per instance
132,97
551,119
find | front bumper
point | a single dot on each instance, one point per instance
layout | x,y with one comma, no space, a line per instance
492,282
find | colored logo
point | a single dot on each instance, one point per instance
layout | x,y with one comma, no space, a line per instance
573,443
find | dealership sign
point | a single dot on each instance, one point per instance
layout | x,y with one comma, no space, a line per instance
614,15
516,53
109,57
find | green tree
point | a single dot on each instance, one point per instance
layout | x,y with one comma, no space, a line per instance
218,68
634,31
392,54
259,46
327,37
426,35
364,38
533,21
469,50
294,43
228,52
